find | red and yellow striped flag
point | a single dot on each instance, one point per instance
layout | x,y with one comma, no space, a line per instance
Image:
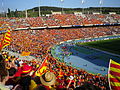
6,39
43,68
114,75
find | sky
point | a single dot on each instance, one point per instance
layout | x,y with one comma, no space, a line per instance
28,4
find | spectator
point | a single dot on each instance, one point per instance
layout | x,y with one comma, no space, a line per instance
25,82
3,74
48,79
87,86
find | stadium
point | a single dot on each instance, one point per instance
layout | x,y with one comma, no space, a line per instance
77,48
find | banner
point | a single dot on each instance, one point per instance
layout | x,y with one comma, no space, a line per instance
25,53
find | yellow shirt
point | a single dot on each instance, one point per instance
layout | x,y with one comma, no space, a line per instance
33,85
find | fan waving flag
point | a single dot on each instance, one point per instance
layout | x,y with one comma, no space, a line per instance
6,39
114,75
43,68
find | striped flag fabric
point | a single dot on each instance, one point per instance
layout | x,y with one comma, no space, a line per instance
6,39
114,75
43,68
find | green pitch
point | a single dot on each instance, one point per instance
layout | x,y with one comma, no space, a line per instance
112,45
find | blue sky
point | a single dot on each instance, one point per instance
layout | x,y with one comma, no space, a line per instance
27,4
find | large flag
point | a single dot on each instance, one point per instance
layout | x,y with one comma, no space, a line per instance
43,68
25,53
114,75
6,39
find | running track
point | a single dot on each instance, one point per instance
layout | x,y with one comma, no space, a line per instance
91,60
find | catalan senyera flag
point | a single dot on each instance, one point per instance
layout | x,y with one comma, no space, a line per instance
114,75
6,39
43,68
24,53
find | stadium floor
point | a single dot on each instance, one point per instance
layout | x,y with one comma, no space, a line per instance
91,60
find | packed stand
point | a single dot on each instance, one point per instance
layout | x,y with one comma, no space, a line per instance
60,20
38,41
35,22
20,75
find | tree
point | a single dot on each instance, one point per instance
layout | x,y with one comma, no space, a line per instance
16,13
9,13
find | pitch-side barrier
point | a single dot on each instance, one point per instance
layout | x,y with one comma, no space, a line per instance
68,26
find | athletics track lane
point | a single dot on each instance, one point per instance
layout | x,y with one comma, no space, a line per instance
86,58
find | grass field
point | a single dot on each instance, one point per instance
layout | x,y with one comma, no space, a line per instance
112,45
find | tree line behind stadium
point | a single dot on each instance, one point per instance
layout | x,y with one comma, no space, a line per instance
34,12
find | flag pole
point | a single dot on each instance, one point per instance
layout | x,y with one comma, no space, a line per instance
109,74
101,3
2,4
39,9
82,2
26,15
62,6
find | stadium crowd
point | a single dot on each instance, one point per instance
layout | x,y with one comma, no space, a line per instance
22,75
38,41
60,20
